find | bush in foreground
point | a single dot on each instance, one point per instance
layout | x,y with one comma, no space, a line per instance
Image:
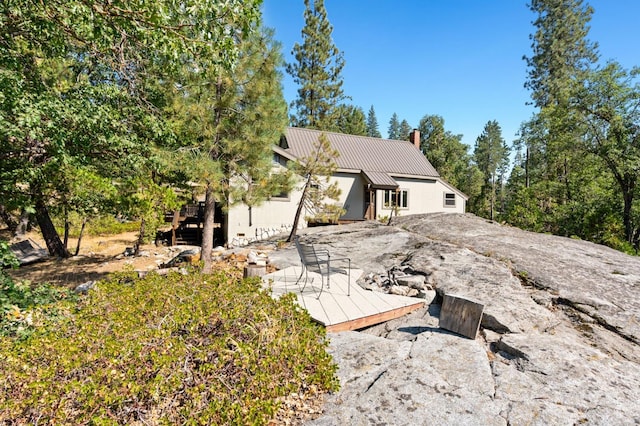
194,349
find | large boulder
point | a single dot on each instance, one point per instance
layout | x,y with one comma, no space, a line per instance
559,340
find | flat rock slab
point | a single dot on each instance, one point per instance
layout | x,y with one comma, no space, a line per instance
601,282
440,378
559,340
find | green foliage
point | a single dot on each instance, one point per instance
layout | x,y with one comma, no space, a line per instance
608,107
25,306
145,200
80,104
561,50
404,130
523,210
491,155
195,349
394,128
448,155
317,67
227,122
317,192
349,120
7,258
372,124
577,161
22,305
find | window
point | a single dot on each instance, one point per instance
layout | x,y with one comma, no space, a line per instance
399,198
283,196
449,199
277,159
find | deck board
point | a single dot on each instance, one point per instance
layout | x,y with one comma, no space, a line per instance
336,310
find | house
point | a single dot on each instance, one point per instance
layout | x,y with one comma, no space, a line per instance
375,175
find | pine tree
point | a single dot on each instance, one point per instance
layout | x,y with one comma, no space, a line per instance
350,120
404,130
372,124
317,70
231,119
491,155
555,168
561,50
317,168
448,155
74,86
562,55
394,127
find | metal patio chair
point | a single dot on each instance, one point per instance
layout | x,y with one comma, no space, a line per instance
319,261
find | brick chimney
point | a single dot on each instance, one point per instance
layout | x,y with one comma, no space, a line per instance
414,137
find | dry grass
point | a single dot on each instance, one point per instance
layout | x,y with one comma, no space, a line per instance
98,256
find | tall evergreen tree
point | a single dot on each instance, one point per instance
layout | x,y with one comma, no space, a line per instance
555,176
561,50
230,120
317,71
350,120
372,124
404,130
562,54
449,155
491,155
394,127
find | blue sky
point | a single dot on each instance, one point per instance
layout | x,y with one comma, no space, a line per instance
460,59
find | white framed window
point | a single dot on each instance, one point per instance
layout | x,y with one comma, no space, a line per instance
392,198
449,199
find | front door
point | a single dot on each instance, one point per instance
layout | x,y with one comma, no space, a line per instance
370,204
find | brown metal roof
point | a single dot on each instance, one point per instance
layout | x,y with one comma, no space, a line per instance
364,153
379,180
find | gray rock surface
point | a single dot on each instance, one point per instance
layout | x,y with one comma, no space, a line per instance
559,340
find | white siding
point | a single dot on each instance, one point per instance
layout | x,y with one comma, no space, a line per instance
424,196
276,215
271,217
352,195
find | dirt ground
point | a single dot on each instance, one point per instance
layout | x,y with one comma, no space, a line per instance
98,256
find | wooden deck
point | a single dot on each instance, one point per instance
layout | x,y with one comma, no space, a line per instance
334,309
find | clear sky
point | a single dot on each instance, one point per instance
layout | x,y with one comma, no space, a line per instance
460,59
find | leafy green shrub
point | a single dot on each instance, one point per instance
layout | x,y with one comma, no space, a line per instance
7,258
23,306
194,349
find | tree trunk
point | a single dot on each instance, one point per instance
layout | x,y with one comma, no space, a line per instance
627,195
49,233
296,219
6,217
175,222
84,222
493,195
65,241
526,170
136,248
566,179
207,230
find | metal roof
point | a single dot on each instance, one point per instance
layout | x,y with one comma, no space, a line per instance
363,153
379,180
